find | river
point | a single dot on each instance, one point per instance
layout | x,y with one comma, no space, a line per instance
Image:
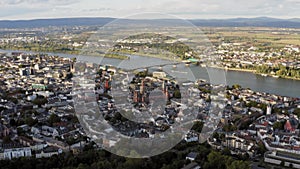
284,87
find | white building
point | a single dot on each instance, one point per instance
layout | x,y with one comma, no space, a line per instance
159,74
48,152
17,153
269,110
282,159
191,137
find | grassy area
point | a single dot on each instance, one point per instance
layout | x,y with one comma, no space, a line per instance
116,56
277,37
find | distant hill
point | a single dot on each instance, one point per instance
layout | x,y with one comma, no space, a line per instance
254,22
236,22
54,22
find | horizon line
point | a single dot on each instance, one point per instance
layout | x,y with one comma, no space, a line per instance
107,17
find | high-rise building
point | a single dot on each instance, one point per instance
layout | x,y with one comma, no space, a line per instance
24,72
72,68
136,96
142,87
167,93
164,86
269,110
106,85
36,67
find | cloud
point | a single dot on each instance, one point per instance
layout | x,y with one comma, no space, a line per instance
292,1
96,10
36,2
182,8
11,2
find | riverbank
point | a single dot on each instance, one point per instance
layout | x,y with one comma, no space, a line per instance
290,78
277,77
108,55
254,72
234,69
241,70
124,56
151,55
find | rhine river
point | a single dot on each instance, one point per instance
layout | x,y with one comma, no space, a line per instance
284,87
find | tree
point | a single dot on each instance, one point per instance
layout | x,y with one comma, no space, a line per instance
177,94
216,135
238,165
222,136
54,119
229,127
6,140
30,121
13,122
102,164
133,163
236,86
83,166
261,148
215,161
198,126
278,125
40,101
218,161
297,112
203,152
226,151
252,104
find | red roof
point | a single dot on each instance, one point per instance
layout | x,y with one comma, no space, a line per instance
288,126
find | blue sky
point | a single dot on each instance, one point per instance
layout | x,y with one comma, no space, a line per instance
200,9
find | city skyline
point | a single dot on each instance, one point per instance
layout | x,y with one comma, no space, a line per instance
191,9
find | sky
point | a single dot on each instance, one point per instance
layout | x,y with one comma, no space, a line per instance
186,9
